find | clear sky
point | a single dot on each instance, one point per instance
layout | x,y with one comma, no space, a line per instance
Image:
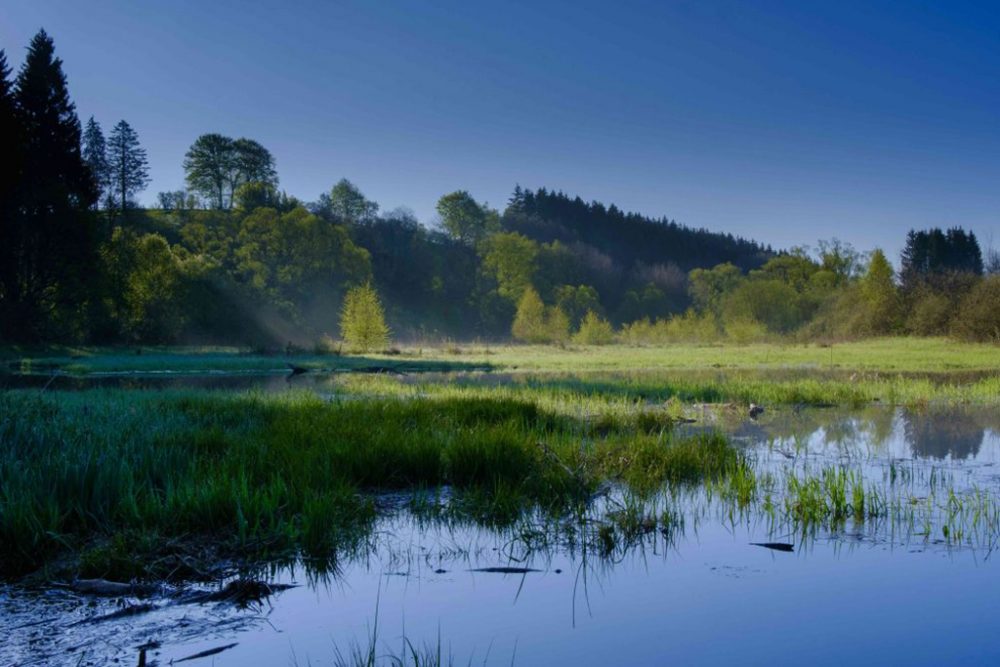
783,121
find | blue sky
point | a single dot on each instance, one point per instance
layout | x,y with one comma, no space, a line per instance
785,122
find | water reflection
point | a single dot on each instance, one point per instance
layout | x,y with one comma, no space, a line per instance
933,433
944,434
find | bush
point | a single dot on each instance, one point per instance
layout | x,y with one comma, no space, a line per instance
594,330
929,313
978,317
745,331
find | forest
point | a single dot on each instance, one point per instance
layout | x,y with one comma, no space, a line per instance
233,259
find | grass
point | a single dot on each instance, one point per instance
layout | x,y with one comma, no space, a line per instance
905,371
114,483
896,354
839,498
147,484
888,355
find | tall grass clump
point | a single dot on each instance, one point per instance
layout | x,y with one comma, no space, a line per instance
263,475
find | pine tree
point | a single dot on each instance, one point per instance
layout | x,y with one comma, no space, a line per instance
53,249
95,154
362,321
127,164
11,148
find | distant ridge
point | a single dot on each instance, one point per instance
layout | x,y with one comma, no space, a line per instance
630,239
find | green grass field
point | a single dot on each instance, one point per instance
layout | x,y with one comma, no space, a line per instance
906,355
122,483
894,371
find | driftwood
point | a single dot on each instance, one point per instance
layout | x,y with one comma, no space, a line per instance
505,570
107,588
241,592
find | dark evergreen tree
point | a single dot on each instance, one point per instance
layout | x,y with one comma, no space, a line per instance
11,150
933,255
52,242
127,164
95,154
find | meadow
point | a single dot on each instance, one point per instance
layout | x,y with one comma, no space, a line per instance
158,484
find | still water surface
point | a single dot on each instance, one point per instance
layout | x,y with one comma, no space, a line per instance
873,593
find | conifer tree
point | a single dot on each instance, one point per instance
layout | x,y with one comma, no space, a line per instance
95,154
50,245
11,138
362,320
127,164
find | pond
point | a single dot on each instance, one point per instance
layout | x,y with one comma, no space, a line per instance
915,584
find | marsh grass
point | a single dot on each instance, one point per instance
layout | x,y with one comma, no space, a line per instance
908,506
121,483
892,371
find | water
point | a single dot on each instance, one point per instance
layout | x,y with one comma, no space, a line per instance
895,590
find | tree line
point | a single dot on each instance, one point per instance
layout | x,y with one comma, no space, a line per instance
233,259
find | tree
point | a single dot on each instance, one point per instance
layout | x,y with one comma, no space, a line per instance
509,258
293,259
594,330
931,255
216,166
147,294
577,302
768,301
177,200
49,240
556,325
534,323
841,259
210,168
253,164
347,203
254,195
878,290
362,321
978,315
464,218
127,164
11,147
529,322
95,154
708,287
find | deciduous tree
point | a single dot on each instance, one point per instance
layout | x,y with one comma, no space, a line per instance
362,320
466,219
